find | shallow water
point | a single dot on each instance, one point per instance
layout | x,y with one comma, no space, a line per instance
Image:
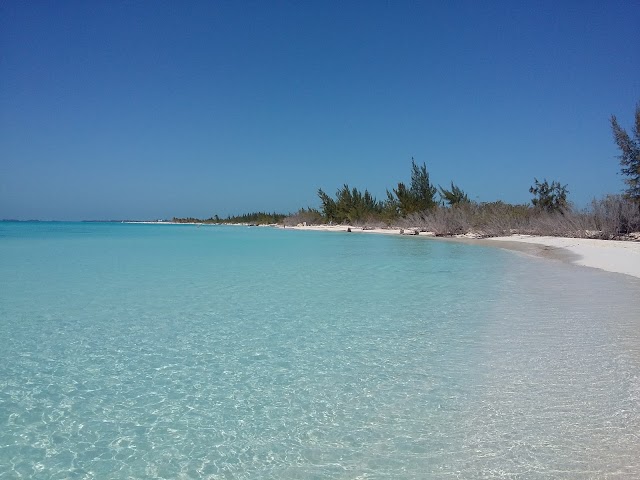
158,351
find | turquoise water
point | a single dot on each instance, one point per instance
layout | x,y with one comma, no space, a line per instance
160,351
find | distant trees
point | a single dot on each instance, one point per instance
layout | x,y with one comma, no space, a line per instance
455,196
327,206
310,216
256,218
550,198
415,205
629,154
420,196
350,205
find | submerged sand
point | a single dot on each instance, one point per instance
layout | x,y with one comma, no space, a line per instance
609,255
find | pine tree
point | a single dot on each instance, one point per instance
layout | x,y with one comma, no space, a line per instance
420,196
329,209
421,189
630,154
550,198
454,196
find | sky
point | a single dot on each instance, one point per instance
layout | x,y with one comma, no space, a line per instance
153,109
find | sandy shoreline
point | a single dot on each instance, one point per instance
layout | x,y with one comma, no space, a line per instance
609,255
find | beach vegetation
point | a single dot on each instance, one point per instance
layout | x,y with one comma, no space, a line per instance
349,206
414,207
328,206
390,208
254,218
629,147
614,216
308,216
549,197
454,196
420,195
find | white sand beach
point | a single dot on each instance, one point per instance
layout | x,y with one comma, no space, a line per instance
609,255
344,228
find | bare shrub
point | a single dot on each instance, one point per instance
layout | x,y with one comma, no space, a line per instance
612,217
559,224
455,220
615,216
311,216
499,218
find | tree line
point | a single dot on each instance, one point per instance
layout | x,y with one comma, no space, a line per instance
449,210
350,205
254,218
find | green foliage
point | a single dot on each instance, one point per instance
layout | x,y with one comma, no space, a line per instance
349,206
550,198
455,196
390,208
255,218
629,154
415,205
328,206
420,196
187,220
421,188
405,201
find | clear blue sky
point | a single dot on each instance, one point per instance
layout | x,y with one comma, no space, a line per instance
150,109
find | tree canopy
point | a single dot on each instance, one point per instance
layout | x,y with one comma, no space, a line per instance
629,154
550,198
350,205
455,196
420,196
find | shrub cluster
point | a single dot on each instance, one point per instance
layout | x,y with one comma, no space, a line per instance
255,218
613,217
416,207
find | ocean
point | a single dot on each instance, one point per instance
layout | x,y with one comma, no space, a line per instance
181,352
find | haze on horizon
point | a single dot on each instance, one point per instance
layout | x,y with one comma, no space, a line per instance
147,110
